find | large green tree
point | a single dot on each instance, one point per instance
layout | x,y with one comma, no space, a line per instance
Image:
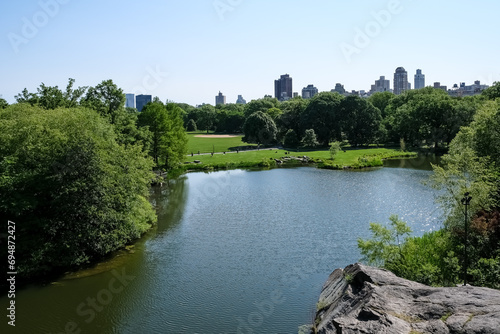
106,98
322,115
426,116
259,128
74,193
263,105
168,140
360,120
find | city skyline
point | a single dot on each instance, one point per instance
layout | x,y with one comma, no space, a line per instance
49,41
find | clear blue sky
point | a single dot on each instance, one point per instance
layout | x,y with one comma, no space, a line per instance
199,47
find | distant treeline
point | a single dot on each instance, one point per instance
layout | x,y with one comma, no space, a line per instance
426,117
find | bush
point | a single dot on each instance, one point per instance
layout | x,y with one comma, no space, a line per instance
191,125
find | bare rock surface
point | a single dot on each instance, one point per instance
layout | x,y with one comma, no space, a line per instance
362,299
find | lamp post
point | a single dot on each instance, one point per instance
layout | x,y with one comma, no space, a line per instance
466,202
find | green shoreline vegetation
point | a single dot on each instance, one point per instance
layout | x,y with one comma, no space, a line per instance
76,165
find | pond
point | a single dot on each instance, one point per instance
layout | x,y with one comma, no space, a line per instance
233,252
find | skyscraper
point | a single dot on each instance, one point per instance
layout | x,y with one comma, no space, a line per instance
141,101
220,99
309,91
283,88
381,85
419,80
400,81
241,100
129,102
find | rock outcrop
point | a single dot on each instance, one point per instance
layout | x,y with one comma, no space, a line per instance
362,299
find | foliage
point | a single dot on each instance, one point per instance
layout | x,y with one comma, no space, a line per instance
73,191
360,120
291,139
191,126
381,100
385,243
322,115
51,97
169,140
3,103
206,117
427,259
335,147
427,116
259,128
260,105
309,139
492,92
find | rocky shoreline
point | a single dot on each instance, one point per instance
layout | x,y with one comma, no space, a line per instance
362,299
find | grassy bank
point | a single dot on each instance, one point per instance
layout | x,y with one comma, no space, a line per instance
208,145
355,158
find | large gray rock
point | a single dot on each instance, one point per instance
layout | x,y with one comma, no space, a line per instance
362,299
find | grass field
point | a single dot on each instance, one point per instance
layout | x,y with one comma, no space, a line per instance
356,158
206,145
351,158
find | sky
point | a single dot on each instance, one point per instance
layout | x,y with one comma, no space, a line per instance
187,51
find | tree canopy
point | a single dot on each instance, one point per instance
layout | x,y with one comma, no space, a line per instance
73,190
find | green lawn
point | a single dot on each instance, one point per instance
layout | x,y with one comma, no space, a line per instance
206,145
355,158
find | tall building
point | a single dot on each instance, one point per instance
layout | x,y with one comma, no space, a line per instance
141,101
339,88
419,80
220,99
401,83
381,85
241,100
130,100
283,88
309,91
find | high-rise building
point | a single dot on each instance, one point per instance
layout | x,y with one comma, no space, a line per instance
419,79
381,85
241,100
309,91
141,101
220,99
283,88
130,100
339,88
401,83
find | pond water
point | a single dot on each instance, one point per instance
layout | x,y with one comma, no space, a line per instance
233,252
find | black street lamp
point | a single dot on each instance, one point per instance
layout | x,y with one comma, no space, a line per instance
466,202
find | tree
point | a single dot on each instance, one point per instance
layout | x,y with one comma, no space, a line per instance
360,120
206,117
309,139
322,115
191,125
291,117
291,139
261,105
3,103
175,139
106,98
385,245
335,147
73,191
492,92
259,128
51,97
424,116
381,100
168,142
